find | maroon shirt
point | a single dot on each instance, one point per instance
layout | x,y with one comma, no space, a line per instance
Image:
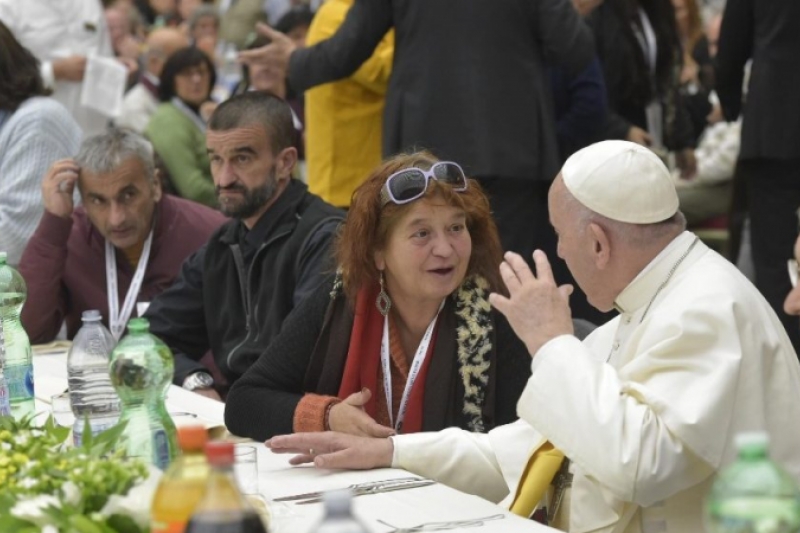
64,264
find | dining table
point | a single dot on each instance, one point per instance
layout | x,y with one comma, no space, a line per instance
434,507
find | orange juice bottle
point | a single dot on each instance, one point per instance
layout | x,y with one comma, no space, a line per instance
183,484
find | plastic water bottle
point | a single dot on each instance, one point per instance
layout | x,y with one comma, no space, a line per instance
5,406
91,395
141,371
16,358
753,495
339,514
229,71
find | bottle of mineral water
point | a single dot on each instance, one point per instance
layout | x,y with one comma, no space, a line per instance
141,370
17,359
91,395
753,495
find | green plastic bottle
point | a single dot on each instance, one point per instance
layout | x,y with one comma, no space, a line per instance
16,358
141,371
753,495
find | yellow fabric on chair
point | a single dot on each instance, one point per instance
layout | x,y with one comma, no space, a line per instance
542,467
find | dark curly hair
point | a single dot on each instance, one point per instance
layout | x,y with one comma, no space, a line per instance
368,225
19,72
178,62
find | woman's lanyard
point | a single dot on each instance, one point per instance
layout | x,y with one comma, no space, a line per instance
118,318
413,372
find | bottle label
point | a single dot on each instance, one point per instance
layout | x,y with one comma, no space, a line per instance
20,382
174,526
77,431
5,406
160,449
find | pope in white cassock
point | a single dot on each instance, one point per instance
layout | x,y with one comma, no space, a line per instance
647,406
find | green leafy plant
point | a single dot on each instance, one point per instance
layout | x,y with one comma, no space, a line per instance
52,487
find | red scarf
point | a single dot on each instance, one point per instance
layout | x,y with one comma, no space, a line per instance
363,369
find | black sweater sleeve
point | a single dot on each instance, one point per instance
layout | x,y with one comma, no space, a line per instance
262,402
513,370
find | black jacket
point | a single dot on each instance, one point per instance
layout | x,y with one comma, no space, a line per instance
768,31
630,86
234,293
468,79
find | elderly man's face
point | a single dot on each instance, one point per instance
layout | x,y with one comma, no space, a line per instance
120,203
792,303
575,245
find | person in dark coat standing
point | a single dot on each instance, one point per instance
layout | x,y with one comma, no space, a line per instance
451,65
768,32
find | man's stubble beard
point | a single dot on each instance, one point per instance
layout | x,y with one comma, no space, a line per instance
252,199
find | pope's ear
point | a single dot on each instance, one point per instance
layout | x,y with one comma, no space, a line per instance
601,245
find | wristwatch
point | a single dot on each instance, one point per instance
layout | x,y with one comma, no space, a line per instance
198,380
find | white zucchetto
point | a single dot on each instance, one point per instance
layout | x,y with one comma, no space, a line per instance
623,181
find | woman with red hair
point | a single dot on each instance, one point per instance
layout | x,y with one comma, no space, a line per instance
403,338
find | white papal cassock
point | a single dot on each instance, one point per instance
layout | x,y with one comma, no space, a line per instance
647,406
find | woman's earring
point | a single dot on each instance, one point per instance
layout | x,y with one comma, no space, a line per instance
383,302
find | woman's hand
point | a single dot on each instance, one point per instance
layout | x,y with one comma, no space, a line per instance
349,416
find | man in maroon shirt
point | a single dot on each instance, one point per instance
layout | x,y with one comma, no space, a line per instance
124,245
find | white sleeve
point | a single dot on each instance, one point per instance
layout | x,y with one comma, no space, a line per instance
457,458
617,431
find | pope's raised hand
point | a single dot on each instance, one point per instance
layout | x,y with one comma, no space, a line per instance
58,186
536,308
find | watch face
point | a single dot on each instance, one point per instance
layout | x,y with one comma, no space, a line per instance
199,380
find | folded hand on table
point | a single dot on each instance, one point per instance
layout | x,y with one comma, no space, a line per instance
349,416
334,450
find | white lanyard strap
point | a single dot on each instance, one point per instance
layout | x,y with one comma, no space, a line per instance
118,318
413,373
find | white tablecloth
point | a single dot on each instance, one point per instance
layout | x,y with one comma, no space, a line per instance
404,508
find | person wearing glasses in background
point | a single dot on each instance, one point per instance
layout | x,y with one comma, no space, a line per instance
388,344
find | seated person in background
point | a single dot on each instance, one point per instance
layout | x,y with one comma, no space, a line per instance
177,129
404,334
648,406
35,131
204,28
233,295
709,192
124,245
141,102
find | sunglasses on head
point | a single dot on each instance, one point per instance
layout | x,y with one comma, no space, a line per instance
410,184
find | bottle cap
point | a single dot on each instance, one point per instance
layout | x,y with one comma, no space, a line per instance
91,314
750,439
192,438
337,502
138,325
220,453
3,258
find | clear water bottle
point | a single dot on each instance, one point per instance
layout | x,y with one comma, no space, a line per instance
753,495
229,71
141,371
91,395
17,359
5,406
339,514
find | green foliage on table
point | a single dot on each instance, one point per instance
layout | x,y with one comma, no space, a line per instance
65,487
